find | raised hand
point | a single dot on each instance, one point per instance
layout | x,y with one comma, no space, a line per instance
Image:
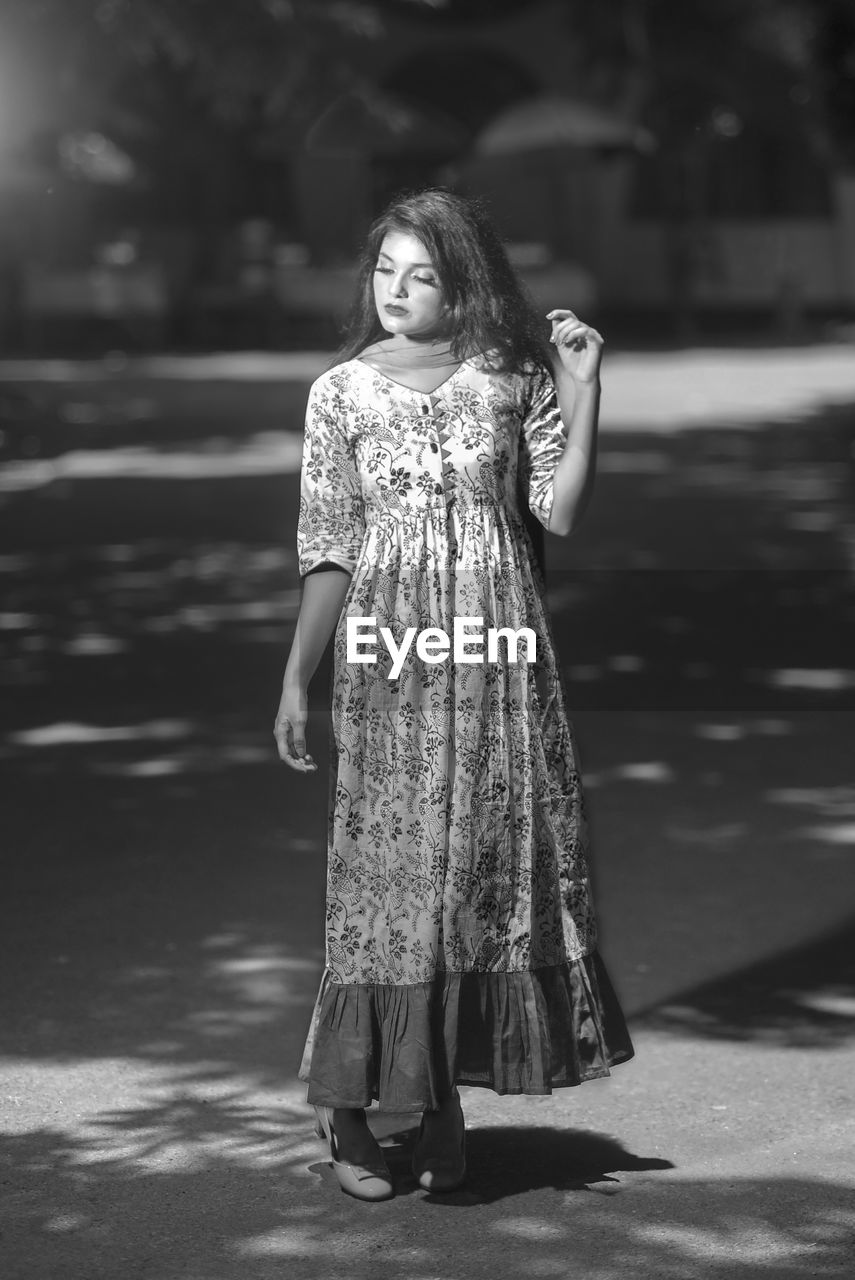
578,346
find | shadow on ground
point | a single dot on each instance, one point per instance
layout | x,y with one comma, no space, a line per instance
801,998
536,1202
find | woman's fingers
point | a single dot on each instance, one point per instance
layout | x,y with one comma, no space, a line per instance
578,346
291,744
566,335
566,327
289,730
563,332
298,738
571,331
283,746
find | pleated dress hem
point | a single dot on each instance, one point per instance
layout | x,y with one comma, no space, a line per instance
404,1047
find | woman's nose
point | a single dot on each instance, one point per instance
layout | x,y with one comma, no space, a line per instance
397,286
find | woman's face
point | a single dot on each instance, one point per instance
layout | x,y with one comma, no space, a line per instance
407,291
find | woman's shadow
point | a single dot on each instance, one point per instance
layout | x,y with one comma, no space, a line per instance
509,1161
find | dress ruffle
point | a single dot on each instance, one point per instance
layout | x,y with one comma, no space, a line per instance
404,1047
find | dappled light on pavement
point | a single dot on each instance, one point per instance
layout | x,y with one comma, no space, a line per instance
266,453
162,914
817,679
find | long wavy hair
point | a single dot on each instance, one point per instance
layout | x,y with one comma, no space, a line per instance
490,311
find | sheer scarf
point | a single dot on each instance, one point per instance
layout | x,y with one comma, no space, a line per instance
402,358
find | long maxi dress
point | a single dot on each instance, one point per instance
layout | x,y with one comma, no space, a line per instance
461,943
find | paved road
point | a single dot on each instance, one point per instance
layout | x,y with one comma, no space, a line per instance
162,909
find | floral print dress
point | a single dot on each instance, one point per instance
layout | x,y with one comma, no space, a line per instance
461,942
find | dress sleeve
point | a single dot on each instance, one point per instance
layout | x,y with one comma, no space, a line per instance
331,521
542,439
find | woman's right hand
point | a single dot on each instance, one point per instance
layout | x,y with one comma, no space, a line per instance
290,729
320,608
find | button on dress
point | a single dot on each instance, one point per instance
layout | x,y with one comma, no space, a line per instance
461,943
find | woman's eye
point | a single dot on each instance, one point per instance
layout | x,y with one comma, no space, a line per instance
428,280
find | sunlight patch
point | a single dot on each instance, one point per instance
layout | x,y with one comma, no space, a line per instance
821,679
260,964
289,1242
741,1241
10,621
72,733
841,833
771,728
264,454
161,767
220,366
67,1222
663,392
644,771
270,609
727,387
720,732
93,644
529,1229
839,1006
832,802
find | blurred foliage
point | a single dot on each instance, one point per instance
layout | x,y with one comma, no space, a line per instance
679,66
204,93
251,63
834,45
763,83
198,90
239,60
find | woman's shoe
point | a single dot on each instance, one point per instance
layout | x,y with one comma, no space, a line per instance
441,1170
364,1182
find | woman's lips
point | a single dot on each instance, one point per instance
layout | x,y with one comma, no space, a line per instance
394,310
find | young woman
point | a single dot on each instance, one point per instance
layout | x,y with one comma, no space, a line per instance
460,939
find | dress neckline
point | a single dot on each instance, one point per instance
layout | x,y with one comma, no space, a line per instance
416,391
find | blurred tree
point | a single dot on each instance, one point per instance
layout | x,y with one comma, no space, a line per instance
834,69
191,86
701,75
194,88
246,62
235,56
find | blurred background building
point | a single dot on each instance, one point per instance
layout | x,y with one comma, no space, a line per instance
177,172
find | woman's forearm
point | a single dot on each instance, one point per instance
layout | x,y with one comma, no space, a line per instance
320,610
574,476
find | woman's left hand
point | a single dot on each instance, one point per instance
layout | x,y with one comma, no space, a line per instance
577,345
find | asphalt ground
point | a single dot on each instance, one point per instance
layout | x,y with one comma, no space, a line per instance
161,920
